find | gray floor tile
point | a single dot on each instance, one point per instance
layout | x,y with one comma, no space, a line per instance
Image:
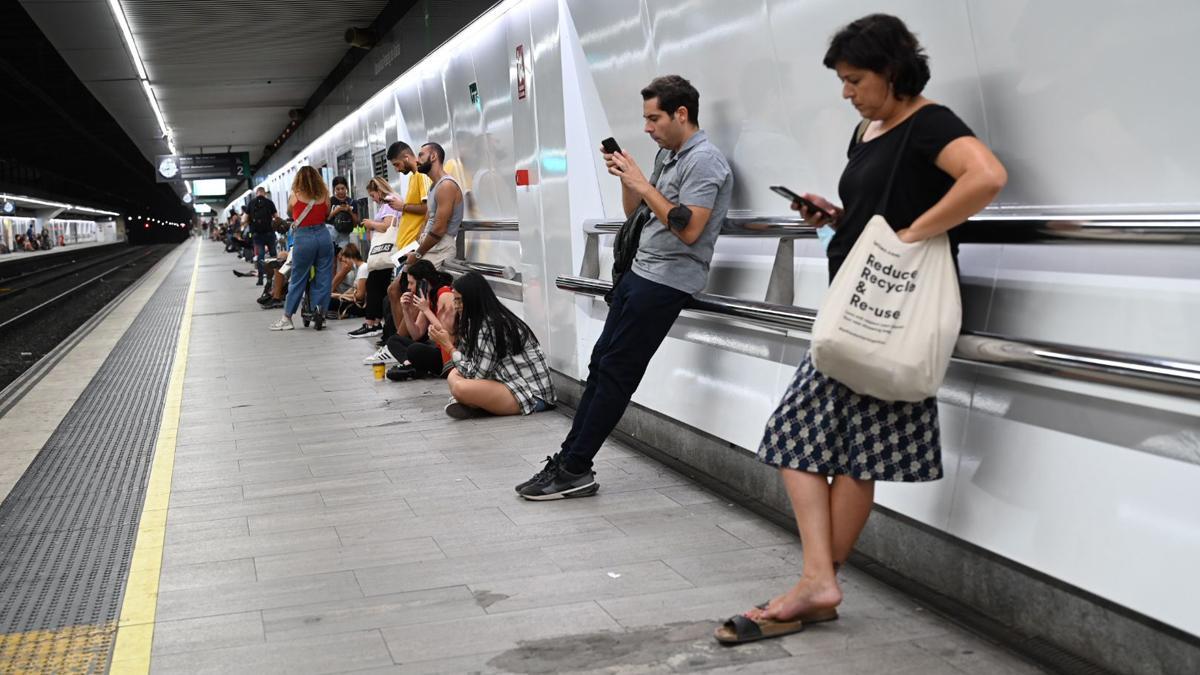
310,485
179,533
209,632
459,571
254,595
381,611
249,546
433,641
322,654
527,512
374,554
510,595
242,507
218,573
511,537
326,515
717,568
465,523
599,553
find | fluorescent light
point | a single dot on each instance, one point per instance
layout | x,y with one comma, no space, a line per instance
162,124
100,212
119,15
31,200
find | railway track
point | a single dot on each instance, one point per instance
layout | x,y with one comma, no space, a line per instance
40,308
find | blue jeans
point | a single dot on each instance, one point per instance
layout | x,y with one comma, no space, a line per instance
263,243
639,319
312,248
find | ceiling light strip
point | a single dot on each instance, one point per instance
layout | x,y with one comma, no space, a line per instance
58,205
119,15
143,77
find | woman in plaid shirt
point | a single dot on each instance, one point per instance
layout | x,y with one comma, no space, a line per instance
499,367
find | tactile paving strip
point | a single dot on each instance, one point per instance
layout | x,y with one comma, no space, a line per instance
67,529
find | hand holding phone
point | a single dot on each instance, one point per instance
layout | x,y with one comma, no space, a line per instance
609,145
806,203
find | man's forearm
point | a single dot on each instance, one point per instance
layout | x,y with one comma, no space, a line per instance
629,200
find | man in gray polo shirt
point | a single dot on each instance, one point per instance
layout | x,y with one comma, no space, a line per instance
688,205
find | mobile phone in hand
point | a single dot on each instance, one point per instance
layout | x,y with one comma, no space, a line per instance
610,145
806,203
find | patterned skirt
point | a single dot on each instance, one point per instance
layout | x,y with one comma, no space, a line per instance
822,427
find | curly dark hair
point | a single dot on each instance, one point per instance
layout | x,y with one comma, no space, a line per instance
883,44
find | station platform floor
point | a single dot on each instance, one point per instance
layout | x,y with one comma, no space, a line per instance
26,255
296,515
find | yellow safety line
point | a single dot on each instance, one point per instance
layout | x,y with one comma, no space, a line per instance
135,629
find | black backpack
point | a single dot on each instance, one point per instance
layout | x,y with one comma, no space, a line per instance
343,222
262,215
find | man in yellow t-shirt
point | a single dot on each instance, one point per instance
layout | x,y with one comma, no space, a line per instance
413,211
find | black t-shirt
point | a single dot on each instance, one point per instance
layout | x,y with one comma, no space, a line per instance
262,215
919,182
343,222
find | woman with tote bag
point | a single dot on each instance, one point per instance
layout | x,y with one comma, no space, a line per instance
379,259
914,172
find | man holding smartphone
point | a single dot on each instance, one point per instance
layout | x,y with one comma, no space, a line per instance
688,203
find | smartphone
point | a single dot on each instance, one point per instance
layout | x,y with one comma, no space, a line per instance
423,287
610,145
792,196
404,282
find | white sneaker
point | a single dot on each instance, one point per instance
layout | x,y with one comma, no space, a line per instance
381,357
283,323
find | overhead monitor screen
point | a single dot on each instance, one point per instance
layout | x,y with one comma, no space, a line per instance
209,187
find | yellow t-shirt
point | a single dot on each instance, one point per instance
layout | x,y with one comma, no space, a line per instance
412,223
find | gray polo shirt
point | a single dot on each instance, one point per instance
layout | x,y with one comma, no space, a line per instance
697,175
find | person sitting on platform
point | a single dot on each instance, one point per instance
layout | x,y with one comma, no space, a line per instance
499,367
349,284
410,348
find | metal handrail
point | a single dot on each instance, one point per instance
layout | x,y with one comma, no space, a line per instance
488,226
989,228
1133,371
460,264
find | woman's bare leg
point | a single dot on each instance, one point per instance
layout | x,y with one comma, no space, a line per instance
850,502
818,587
486,394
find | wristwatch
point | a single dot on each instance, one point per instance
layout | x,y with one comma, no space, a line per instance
416,254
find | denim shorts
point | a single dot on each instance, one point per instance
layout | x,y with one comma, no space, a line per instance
540,405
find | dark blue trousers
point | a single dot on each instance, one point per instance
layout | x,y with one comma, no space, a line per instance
641,314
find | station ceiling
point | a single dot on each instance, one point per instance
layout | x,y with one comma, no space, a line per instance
225,72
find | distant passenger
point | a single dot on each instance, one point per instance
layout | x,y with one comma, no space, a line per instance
687,209
342,216
312,248
829,443
436,243
262,227
499,368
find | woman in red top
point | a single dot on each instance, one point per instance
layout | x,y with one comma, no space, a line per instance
312,247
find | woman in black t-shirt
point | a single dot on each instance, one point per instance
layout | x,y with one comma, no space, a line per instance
829,443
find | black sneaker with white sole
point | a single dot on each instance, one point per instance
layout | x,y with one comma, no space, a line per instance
546,471
365,331
561,485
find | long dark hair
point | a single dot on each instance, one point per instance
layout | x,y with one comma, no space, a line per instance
423,270
480,306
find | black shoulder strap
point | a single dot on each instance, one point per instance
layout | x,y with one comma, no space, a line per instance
887,190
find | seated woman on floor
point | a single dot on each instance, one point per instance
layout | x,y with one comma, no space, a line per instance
499,367
409,348
349,284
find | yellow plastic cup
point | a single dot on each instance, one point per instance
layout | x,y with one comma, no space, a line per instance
380,371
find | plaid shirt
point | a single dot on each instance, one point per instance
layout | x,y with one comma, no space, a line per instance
525,374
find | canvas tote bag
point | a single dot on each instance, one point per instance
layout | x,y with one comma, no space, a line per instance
888,325
382,246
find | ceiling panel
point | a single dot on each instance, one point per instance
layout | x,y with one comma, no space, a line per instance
76,25
99,64
225,72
